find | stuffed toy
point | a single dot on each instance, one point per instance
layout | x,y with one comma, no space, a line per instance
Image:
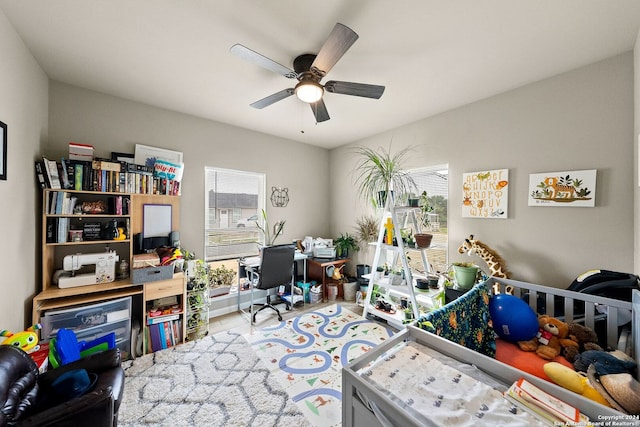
26,340
552,336
611,377
586,338
573,381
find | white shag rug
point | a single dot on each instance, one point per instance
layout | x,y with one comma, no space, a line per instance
215,381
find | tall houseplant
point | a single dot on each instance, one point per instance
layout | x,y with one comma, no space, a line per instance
382,172
270,234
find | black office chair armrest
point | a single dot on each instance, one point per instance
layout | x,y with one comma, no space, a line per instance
94,363
95,409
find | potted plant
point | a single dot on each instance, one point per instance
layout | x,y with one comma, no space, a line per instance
380,173
220,280
344,244
465,274
270,234
367,229
423,240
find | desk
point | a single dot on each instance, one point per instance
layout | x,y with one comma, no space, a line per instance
316,268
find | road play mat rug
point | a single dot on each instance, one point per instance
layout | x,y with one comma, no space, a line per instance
306,355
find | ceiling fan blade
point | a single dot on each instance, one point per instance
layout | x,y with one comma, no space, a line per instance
355,89
320,111
339,41
261,60
271,99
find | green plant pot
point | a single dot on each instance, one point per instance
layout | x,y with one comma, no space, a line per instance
465,276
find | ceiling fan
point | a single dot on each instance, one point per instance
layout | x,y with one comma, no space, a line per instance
309,69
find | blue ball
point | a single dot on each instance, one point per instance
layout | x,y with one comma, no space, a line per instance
513,319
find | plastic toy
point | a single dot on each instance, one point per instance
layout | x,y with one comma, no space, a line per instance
26,340
513,320
66,348
573,381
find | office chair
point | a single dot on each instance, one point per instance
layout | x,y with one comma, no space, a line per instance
276,268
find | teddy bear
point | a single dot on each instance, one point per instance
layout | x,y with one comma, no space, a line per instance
585,337
552,336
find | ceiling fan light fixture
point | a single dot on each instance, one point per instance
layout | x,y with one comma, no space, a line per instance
309,91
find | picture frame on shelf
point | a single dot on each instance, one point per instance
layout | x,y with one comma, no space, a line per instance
146,155
3,142
123,157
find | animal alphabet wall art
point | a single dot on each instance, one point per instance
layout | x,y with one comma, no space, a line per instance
485,194
569,188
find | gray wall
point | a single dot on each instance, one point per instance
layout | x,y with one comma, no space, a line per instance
582,119
23,108
579,120
115,124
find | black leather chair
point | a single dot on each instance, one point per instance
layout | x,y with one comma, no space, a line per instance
276,268
28,398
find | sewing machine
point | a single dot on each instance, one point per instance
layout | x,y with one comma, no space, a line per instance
105,267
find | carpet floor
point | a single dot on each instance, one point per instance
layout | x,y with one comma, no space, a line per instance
306,355
215,381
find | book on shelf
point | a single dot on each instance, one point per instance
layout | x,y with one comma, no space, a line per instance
51,169
542,405
40,175
160,319
164,331
62,173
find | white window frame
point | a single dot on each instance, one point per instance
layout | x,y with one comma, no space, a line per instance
219,241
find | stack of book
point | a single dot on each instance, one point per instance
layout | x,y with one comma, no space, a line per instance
103,175
543,406
163,332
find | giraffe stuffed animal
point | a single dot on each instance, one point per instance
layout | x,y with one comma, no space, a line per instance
488,255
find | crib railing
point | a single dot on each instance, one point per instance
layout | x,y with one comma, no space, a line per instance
590,310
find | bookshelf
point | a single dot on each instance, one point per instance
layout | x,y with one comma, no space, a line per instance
90,213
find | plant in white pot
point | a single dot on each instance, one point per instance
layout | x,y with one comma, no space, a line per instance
381,173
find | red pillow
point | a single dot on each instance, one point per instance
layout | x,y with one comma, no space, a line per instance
528,361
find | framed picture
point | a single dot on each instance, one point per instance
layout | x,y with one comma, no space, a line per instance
156,220
485,194
122,157
3,141
565,188
146,155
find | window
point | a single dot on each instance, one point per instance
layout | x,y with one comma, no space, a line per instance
435,181
233,200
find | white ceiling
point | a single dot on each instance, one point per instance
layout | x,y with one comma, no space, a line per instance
432,55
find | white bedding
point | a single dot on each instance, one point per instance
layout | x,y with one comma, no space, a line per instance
438,394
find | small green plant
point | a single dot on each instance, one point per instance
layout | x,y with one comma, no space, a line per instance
221,276
270,234
344,244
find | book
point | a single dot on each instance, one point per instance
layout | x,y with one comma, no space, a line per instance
60,199
168,333
542,403
78,180
39,167
62,173
51,169
161,319
154,332
53,195
163,339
